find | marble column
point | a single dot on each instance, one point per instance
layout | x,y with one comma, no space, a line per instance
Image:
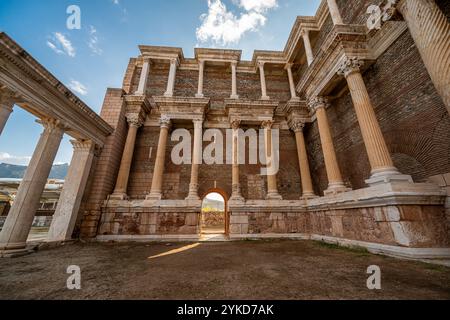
196,159
335,181
6,108
236,195
234,94
305,173
172,77
272,188
377,150
430,29
308,48
201,71
334,12
144,77
68,206
120,191
291,82
156,189
262,76
17,226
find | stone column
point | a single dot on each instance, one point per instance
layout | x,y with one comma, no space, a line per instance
201,71
272,188
156,190
234,94
236,195
68,206
377,150
430,30
172,76
196,159
17,226
334,12
305,173
335,182
262,76
308,48
144,77
120,191
6,108
291,82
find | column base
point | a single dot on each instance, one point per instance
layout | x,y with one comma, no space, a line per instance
265,98
235,97
118,196
168,95
199,96
236,198
192,197
386,176
308,195
12,250
154,196
336,188
273,195
295,99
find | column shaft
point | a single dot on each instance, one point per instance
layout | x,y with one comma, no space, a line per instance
308,48
196,160
234,94
262,76
18,223
430,30
201,70
156,189
236,195
5,111
144,78
334,12
305,173
291,81
172,77
68,206
120,191
272,187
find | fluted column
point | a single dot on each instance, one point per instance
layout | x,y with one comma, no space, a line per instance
262,76
66,212
377,150
334,12
308,48
291,82
236,195
17,226
172,77
272,188
120,191
201,71
430,30
335,181
144,77
6,108
305,173
156,190
196,159
234,94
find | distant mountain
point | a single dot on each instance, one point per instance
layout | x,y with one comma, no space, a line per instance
213,204
13,171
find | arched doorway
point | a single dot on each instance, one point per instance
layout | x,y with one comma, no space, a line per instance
214,217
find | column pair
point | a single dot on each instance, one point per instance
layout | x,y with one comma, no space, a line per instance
17,226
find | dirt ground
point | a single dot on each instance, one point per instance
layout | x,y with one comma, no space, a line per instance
233,270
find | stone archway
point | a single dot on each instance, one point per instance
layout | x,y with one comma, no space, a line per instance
224,214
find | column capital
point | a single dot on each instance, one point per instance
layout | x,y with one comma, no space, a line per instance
318,103
134,120
234,63
165,122
297,126
174,61
52,125
198,123
267,124
261,64
349,66
235,124
304,33
147,59
289,66
82,145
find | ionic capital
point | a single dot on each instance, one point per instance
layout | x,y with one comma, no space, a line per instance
134,120
349,66
174,61
165,122
289,66
318,103
304,33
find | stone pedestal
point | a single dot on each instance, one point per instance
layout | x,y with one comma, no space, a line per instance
66,213
15,232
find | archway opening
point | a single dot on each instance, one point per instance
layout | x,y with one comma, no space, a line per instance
214,214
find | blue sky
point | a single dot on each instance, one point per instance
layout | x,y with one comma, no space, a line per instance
95,57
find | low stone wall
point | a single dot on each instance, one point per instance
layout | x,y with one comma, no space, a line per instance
213,219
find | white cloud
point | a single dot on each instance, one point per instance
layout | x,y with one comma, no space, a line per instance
78,87
116,1
223,27
11,159
93,41
61,45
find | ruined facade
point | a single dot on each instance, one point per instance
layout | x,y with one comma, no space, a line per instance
364,131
